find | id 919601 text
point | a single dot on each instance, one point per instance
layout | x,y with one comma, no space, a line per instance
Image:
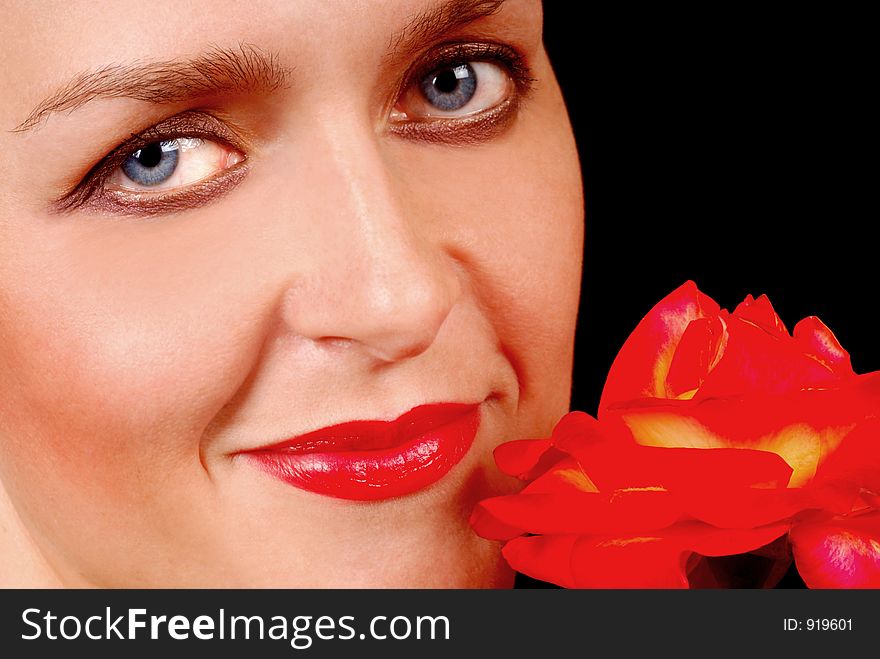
817,624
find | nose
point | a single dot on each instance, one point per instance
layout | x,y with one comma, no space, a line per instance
375,279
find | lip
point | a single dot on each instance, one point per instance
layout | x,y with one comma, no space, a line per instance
374,460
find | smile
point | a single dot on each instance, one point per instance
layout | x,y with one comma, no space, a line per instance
373,460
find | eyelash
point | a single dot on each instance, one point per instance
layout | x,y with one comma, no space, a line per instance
202,124
191,124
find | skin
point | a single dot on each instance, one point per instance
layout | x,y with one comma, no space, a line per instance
353,274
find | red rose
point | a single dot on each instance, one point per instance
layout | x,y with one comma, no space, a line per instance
613,514
692,374
636,498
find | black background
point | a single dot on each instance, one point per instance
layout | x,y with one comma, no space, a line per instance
724,144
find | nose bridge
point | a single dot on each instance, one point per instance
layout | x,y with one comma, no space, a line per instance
379,281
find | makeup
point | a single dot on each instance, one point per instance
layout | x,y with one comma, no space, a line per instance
373,460
411,117
94,190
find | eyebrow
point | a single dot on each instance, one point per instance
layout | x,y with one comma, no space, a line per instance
427,25
244,68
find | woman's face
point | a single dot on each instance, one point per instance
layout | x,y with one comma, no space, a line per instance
226,224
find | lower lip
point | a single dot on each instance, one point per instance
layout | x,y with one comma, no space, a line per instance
372,474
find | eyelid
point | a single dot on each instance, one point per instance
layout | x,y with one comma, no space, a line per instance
144,204
448,53
470,129
192,123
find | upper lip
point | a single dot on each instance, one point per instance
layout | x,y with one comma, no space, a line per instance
372,433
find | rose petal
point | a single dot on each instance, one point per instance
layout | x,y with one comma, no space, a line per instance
699,350
727,487
595,513
579,427
856,460
565,476
575,561
547,558
635,562
659,560
612,467
709,541
804,427
521,458
761,313
641,366
747,508
815,339
838,498
647,561
839,552
488,526
758,362
745,420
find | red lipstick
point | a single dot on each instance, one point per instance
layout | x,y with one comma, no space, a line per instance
372,460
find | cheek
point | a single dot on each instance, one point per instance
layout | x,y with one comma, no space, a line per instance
124,343
512,213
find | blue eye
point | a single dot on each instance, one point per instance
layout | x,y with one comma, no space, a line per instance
450,88
153,164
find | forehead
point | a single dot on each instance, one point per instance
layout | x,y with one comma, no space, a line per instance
80,33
